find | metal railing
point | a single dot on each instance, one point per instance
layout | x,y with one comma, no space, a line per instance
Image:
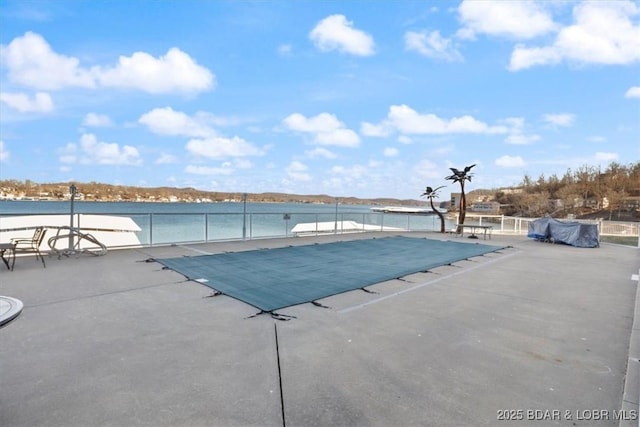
627,233
176,228
167,228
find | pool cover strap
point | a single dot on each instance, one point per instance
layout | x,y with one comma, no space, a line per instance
270,279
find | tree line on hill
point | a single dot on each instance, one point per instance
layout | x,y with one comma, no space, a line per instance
612,192
95,191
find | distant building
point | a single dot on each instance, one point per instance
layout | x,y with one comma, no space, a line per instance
510,190
631,203
455,201
486,207
482,206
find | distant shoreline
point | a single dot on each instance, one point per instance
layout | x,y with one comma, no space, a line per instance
99,192
169,202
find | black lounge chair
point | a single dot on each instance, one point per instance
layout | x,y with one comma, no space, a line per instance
31,245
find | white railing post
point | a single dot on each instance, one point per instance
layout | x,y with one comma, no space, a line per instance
150,229
600,229
244,216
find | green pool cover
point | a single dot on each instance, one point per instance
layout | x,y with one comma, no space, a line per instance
270,279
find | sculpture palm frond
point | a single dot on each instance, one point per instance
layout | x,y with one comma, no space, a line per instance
460,175
430,192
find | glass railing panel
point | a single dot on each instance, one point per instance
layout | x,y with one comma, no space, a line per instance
263,225
227,226
177,228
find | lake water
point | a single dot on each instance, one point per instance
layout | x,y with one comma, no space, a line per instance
163,223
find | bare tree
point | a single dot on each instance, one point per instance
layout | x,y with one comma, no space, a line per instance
616,182
568,194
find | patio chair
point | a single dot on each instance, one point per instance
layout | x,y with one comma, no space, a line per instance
31,245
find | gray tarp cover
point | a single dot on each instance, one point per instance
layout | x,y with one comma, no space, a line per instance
275,278
569,232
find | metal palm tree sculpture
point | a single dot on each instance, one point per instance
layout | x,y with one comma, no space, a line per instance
431,193
461,177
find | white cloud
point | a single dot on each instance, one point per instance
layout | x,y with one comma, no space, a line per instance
338,137
426,169
633,92
298,171
369,129
602,33
320,152
96,120
432,45
352,173
174,72
31,62
241,163
4,153
562,119
518,138
323,122
218,147
40,103
166,159
606,157
408,121
68,154
510,162
515,19
285,49
596,138
206,170
90,151
391,152
336,33
166,121
326,129
517,135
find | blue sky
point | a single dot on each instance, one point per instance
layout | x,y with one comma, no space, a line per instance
346,98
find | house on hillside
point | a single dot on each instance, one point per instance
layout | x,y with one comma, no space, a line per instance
486,207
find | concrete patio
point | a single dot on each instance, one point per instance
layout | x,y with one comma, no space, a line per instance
536,334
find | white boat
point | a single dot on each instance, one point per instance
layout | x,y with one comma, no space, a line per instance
110,231
408,210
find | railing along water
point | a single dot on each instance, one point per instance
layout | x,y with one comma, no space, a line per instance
168,228
177,228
